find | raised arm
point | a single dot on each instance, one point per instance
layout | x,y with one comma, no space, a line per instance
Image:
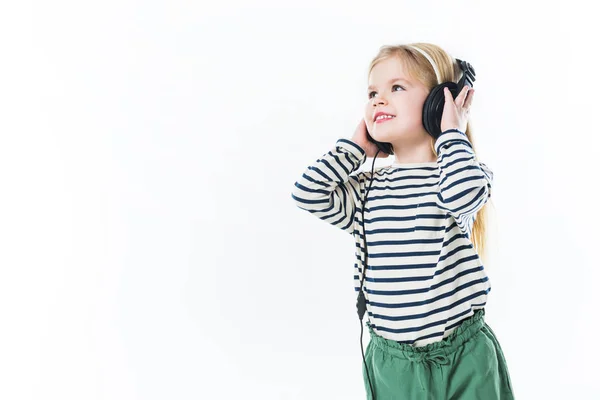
465,183
329,188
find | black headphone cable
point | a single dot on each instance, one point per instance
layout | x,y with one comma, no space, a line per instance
361,303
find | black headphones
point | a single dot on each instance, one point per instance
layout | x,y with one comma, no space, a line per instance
432,118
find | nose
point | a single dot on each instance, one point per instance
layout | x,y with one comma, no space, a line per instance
379,100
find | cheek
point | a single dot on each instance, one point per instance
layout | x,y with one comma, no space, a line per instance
414,110
368,115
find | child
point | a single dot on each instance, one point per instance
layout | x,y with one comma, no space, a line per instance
418,226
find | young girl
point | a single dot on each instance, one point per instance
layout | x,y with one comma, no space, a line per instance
418,225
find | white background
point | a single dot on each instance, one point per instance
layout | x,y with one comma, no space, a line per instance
150,245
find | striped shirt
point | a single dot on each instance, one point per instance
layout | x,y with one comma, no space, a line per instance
424,276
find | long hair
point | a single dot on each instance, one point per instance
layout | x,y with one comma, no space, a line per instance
419,68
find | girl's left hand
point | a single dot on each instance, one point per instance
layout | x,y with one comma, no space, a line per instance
455,114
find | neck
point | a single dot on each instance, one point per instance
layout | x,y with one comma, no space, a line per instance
413,151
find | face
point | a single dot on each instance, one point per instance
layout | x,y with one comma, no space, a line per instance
402,98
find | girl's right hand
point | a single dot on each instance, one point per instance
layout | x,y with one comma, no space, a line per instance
360,138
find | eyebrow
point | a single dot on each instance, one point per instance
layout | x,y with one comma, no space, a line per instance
390,81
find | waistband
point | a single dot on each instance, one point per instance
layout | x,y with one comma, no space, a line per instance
436,351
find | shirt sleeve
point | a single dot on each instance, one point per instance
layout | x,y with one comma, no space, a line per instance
330,188
465,183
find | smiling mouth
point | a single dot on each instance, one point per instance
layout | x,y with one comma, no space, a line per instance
382,120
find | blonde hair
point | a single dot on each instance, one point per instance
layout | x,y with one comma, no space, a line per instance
419,67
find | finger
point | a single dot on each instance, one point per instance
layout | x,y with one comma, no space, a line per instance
448,96
460,99
469,99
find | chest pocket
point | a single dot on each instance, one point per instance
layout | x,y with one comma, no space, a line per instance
427,218
415,219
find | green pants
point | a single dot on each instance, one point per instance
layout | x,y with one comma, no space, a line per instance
468,364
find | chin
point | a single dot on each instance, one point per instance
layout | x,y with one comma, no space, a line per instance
388,136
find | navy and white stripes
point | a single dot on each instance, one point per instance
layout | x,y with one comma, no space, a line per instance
465,183
327,190
423,276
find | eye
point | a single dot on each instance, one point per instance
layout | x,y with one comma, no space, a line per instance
369,95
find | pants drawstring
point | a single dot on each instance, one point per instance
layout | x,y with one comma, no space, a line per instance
436,356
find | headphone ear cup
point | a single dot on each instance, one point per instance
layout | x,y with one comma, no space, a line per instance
433,107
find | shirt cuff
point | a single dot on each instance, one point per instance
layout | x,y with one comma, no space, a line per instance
353,148
450,135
